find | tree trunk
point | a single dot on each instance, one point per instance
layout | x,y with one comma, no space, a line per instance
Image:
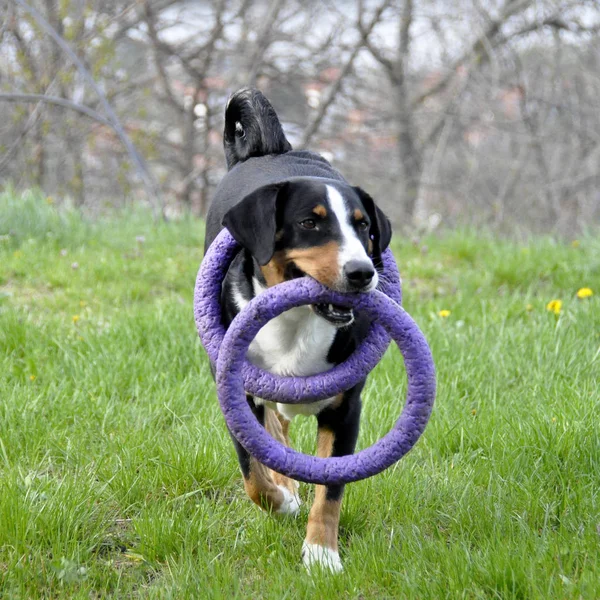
411,163
40,154
188,153
410,159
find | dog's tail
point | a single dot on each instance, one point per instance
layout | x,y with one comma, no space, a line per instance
252,128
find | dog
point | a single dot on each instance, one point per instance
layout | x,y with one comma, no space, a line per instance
294,215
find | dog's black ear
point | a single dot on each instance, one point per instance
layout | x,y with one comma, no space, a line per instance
253,221
381,228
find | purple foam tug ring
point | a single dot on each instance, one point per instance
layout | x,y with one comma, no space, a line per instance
235,375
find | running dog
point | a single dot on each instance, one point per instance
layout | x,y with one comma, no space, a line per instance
294,215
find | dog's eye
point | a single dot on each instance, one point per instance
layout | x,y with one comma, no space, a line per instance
308,224
362,225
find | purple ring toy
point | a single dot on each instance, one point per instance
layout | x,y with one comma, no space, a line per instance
335,470
261,383
235,375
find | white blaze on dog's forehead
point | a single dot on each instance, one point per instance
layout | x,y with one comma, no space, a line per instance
351,247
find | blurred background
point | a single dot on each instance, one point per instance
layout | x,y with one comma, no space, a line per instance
449,113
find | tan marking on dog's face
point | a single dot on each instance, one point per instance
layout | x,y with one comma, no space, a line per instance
320,210
358,214
274,269
370,247
320,262
324,517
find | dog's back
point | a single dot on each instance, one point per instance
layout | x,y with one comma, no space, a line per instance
257,154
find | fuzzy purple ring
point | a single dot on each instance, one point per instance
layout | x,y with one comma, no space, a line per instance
261,383
232,371
302,467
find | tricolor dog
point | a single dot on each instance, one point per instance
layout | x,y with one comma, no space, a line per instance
294,215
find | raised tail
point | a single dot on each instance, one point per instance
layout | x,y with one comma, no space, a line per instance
252,128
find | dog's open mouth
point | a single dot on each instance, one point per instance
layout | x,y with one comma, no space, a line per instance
335,314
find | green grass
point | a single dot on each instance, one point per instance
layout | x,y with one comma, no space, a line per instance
118,479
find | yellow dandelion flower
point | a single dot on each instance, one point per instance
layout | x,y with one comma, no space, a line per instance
554,306
584,293
575,243
49,200
444,313
75,318
82,303
32,378
529,307
474,412
554,419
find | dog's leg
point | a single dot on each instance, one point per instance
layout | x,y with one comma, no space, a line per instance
258,483
278,427
321,544
285,428
337,435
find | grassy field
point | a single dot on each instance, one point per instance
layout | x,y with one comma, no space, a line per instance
118,479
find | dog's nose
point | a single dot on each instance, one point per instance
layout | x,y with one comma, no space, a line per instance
358,273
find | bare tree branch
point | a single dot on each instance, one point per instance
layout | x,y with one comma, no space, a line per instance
139,163
476,51
157,56
129,18
58,101
264,37
410,155
337,84
384,61
31,122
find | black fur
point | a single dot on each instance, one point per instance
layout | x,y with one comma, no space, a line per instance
253,221
381,228
251,128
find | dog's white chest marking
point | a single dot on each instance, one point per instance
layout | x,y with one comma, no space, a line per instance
295,343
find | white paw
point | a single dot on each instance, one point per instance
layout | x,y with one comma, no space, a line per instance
325,558
291,503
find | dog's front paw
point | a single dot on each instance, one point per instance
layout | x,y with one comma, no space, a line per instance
321,557
291,503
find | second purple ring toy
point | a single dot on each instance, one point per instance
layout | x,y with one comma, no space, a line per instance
260,383
312,469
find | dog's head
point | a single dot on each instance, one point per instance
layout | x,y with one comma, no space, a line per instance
328,230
